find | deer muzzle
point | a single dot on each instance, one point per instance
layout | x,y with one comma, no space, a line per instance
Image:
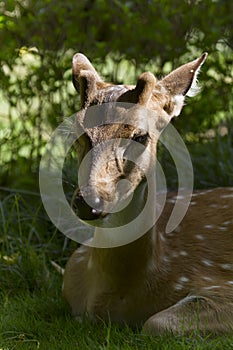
87,206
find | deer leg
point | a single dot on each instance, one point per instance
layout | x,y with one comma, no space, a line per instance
193,313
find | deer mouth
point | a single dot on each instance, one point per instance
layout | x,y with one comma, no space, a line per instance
87,209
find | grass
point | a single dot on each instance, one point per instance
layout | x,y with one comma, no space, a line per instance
33,314
40,320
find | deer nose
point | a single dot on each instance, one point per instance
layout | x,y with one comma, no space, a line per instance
88,207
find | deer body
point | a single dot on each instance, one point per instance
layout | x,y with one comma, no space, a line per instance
175,282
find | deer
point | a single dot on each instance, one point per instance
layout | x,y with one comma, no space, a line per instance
177,282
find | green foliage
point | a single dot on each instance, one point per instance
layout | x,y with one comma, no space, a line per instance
38,39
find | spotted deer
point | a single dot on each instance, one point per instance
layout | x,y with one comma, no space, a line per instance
175,282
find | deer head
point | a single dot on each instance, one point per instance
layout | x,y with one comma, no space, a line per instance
119,122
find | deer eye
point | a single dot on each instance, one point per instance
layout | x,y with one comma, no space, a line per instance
141,138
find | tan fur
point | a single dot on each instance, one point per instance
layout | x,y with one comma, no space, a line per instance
174,282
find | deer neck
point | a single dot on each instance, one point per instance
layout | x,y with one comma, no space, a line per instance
134,256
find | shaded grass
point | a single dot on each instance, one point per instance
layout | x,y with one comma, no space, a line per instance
41,320
32,312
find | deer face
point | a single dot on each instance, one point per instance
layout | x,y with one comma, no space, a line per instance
120,129
116,159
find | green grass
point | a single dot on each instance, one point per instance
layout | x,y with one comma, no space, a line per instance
32,312
41,320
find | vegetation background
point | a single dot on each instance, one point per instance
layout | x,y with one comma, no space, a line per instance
122,38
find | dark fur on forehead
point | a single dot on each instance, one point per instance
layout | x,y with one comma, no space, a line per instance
110,131
108,93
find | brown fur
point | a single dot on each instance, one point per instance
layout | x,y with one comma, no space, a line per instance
174,282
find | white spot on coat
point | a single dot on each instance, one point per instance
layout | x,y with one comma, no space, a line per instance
200,237
207,262
226,222
183,279
212,287
209,226
227,266
183,253
227,196
178,286
206,278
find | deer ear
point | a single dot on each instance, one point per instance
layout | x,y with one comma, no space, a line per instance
142,92
183,82
84,78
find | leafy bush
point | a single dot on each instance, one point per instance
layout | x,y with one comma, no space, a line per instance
123,38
